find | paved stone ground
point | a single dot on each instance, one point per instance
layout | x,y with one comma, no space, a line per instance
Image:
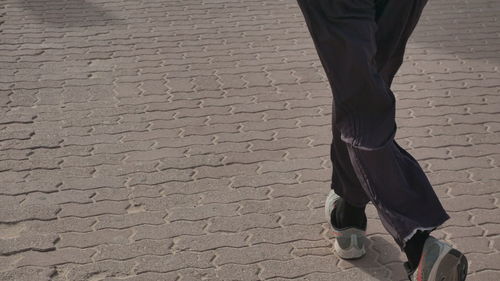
189,140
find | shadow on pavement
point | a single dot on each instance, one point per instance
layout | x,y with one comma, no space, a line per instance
69,13
373,266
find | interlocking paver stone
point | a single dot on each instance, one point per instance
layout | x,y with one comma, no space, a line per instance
190,140
97,270
28,273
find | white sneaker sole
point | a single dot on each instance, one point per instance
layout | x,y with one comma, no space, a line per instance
351,253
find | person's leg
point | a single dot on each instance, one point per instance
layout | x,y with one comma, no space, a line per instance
346,38
396,21
344,181
349,209
344,33
389,57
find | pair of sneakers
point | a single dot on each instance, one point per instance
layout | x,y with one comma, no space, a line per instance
439,261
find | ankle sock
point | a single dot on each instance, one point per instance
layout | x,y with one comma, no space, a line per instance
346,215
414,246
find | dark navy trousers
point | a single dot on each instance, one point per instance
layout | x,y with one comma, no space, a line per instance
361,45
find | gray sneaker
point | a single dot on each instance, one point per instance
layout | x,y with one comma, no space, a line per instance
439,262
350,241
